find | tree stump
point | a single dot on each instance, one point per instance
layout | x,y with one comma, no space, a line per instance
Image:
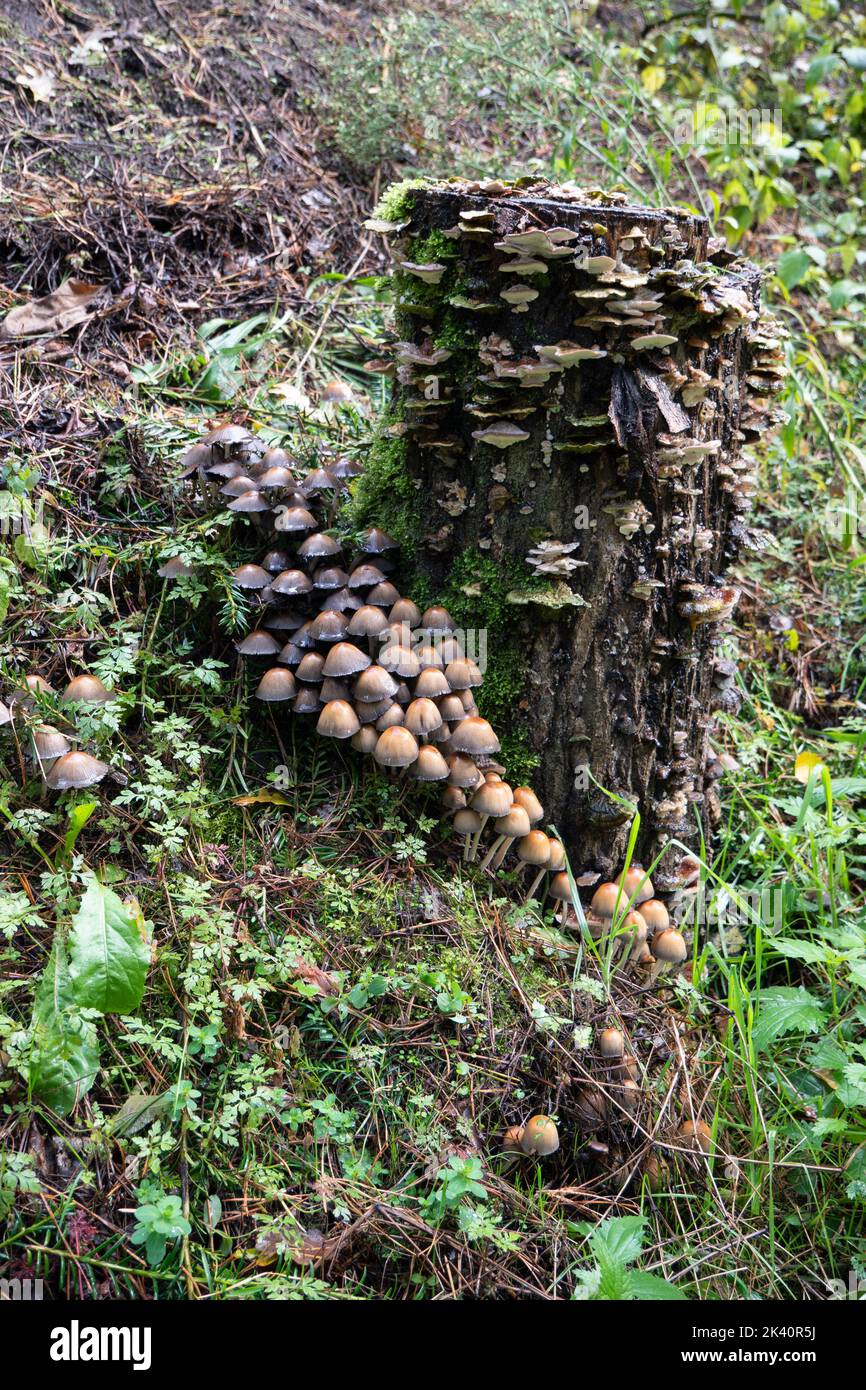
574,379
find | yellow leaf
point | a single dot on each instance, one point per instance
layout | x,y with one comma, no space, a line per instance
805,764
653,77
273,797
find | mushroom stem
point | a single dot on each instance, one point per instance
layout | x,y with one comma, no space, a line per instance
535,882
476,842
488,858
503,851
467,841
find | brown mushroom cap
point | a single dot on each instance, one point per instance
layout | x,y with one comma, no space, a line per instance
540,1137
697,1134
605,900
371,711
525,797
462,674
492,799
373,685
437,620
383,595
277,560
590,1108
319,546
453,799
290,520
402,661
329,626
367,621
74,770
511,1139
557,855
237,485
307,700
366,576
258,642
560,888
332,689
396,748
344,659
462,771
670,947
474,735
251,577
330,579
611,1042
365,740
431,683
292,582
637,884
275,478
338,720
175,568
430,766
405,611
514,824
467,821
534,848
311,667
88,689
450,708
376,542
250,502
393,716
655,914
422,718
50,742
276,684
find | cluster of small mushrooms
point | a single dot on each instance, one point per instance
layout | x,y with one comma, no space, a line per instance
62,766
347,647
340,643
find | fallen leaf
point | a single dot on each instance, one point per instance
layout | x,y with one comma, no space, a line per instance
254,798
305,970
56,313
40,84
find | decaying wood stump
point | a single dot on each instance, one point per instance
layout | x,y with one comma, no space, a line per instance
574,379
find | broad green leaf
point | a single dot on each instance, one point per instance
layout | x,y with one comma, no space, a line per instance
791,268
619,1239
109,951
652,1287
786,1010
855,57
138,1111
64,1049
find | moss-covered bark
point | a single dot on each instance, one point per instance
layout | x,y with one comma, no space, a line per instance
574,380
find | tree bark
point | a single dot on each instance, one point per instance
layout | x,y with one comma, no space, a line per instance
625,458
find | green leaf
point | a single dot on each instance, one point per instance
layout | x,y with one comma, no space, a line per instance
78,818
791,268
618,1239
855,57
653,1287
64,1049
109,951
786,1010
